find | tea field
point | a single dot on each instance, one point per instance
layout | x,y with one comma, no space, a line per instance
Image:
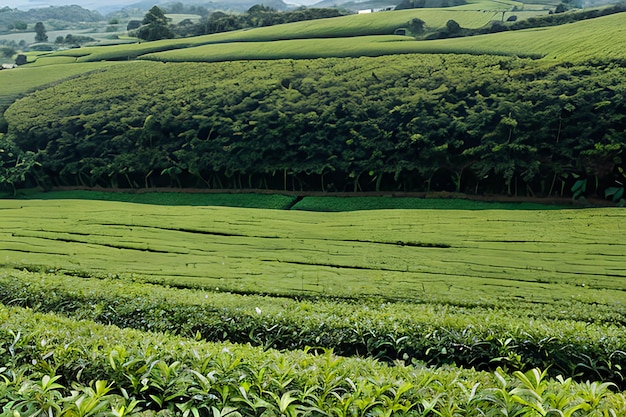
131,309
120,308
478,257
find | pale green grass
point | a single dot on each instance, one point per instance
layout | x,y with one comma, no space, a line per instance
43,60
487,256
295,49
601,38
383,23
30,77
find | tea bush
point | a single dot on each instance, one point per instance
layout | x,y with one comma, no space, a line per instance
513,337
59,366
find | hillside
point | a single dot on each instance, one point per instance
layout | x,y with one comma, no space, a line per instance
603,38
356,35
398,122
472,114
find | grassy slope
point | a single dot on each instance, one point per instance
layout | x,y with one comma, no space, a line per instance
603,38
22,80
476,256
383,23
357,35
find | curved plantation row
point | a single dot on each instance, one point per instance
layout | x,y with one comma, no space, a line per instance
61,366
583,341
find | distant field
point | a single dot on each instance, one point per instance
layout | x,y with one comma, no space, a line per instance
597,38
372,35
482,257
382,23
294,49
603,37
22,80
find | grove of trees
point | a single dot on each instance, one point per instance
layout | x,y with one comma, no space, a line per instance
154,26
476,124
256,16
19,19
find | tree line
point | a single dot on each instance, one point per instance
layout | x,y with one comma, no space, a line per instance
474,124
155,25
17,19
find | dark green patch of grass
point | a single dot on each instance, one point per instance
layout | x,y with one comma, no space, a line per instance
285,202
381,203
267,201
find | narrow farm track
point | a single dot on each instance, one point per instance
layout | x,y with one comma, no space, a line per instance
482,257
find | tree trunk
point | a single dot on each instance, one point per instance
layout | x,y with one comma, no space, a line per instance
145,179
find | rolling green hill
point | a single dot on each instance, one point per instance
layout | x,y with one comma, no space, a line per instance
22,80
473,15
602,38
371,35
354,35
519,59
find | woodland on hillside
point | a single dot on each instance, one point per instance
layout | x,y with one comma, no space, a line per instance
475,124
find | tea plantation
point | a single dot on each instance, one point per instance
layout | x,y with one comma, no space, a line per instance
114,308
224,303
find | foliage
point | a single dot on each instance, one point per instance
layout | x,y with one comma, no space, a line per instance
154,26
510,337
187,198
7,52
73,39
18,83
151,372
617,192
351,203
257,16
19,19
15,165
40,32
412,123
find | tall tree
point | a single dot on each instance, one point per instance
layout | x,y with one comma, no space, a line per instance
40,32
155,26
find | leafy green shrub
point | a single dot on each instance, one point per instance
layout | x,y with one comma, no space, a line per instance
473,337
113,371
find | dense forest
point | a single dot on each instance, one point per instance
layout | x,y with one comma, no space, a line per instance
476,124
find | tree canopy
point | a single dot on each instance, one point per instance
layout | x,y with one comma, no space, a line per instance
410,123
40,32
154,26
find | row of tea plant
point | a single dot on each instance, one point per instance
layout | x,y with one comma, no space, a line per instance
61,366
583,341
